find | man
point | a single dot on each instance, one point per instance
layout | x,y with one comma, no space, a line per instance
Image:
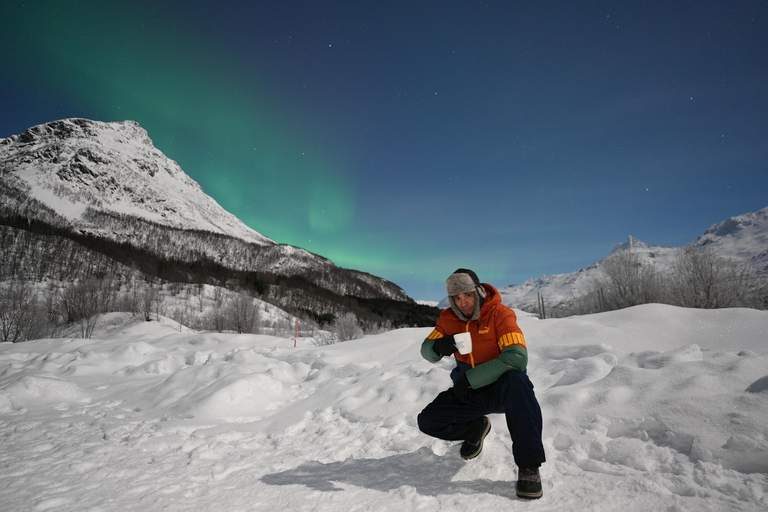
489,379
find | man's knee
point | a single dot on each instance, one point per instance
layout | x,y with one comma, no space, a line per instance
515,383
421,420
426,420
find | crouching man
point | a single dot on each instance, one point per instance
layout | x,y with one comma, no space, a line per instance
489,377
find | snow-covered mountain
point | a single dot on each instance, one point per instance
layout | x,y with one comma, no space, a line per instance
76,165
107,188
744,237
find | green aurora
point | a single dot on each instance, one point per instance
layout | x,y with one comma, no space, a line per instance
245,148
407,139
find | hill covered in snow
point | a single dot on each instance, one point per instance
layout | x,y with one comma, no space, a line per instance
742,238
104,196
649,408
79,167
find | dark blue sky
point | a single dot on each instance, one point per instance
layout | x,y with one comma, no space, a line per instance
408,139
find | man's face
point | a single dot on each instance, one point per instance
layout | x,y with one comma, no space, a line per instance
465,302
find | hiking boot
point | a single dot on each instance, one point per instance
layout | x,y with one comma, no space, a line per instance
529,484
472,447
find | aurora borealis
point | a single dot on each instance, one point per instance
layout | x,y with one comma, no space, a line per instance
408,139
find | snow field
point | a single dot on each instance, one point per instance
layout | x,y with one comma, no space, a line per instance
644,409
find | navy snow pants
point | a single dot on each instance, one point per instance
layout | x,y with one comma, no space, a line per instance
511,395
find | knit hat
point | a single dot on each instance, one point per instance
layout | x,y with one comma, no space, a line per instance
465,281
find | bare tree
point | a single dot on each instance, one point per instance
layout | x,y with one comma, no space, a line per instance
200,297
282,328
346,327
629,281
82,304
175,288
242,314
740,286
701,279
55,313
131,301
107,294
217,317
182,315
21,317
218,296
159,303
148,301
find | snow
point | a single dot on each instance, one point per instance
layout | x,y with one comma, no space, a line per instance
649,408
741,237
124,174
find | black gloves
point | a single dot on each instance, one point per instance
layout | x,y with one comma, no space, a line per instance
462,390
444,346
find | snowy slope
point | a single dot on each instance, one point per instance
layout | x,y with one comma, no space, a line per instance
648,408
109,181
741,237
744,237
562,288
74,164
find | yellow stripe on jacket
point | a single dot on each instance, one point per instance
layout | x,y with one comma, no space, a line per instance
510,339
435,334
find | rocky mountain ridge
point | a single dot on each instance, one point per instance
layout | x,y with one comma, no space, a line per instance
77,165
107,188
743,237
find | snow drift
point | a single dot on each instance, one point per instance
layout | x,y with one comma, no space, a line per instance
649,408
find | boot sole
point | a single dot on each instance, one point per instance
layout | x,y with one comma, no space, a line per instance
530,495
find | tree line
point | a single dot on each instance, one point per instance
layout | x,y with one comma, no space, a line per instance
697,278
48,310
39,251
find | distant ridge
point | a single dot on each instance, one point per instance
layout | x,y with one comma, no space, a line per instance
744,237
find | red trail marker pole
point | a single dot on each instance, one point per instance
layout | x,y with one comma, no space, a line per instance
297,332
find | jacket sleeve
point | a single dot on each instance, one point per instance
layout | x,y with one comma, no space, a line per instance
427,350
511,358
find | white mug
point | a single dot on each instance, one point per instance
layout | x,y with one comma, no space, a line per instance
463,342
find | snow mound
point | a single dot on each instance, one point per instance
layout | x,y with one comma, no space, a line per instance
651,408
678,355
759,385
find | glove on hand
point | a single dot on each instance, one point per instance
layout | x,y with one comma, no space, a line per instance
444,346
462,390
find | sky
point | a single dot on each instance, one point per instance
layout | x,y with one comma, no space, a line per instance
411,138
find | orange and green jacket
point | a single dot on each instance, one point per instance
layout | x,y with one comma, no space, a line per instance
498,344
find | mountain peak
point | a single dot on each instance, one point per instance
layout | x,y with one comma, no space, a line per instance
631,243
78,165
734,225
79,128
742,237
